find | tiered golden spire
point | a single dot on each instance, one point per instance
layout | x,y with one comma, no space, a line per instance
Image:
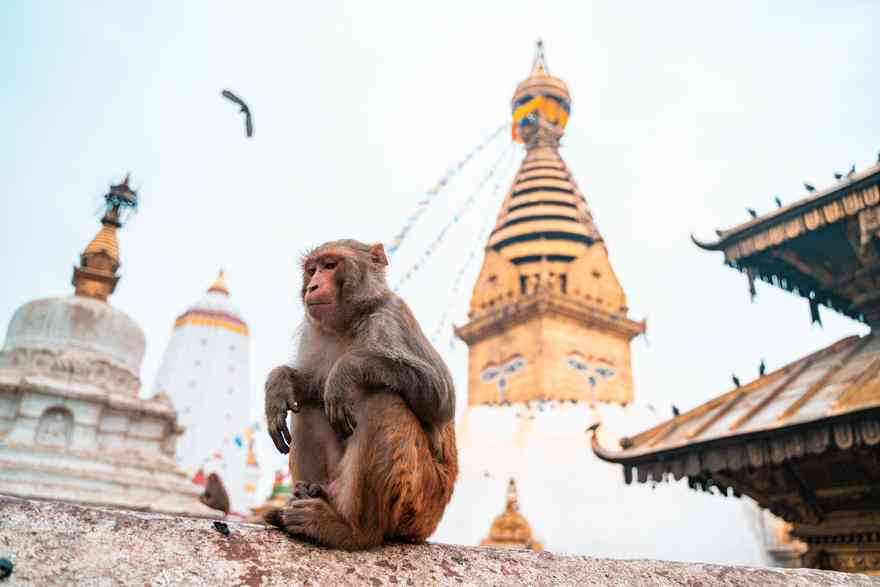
548,317
511,529
96,275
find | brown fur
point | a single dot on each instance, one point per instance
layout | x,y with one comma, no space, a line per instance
373,448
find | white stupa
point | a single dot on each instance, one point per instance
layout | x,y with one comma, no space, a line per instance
72,426
549,355
206,373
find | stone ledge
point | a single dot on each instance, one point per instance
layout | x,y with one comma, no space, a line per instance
54,543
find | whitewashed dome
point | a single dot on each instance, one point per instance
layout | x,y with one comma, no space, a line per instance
81,323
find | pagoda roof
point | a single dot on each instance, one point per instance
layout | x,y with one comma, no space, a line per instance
857,186
824,247
759,422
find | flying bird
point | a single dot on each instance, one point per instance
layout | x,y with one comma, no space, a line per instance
778,201
851,170
838,176
675,410
248,124
735,380
762,368
809,187
752,212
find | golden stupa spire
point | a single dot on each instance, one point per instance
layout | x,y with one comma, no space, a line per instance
219,284
546,291
96,275
511,529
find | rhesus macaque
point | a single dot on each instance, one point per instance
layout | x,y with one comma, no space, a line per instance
373,444
215,495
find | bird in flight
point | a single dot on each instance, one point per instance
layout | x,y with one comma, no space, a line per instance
809,187
778,201
752,212
248,123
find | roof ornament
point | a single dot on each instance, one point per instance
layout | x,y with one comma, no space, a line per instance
219,284
96,275
512,497
539,64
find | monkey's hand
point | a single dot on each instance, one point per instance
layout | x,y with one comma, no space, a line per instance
341,392
280,398
339,407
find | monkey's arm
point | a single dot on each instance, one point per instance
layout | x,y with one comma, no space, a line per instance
391,352
286,390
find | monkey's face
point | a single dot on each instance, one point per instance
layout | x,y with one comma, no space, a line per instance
322,276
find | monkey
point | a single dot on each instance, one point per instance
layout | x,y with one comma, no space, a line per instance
373,456
215,495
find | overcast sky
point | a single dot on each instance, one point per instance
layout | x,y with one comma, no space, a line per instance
684,114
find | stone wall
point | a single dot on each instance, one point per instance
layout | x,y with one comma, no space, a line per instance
52,543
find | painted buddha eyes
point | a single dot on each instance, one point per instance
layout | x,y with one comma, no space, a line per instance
499,374
594,373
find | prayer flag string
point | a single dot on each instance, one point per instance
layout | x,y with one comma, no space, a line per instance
479,246
429,250
431,193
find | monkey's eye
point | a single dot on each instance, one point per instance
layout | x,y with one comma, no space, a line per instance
330,264
310,271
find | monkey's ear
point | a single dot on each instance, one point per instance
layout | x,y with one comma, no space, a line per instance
377,251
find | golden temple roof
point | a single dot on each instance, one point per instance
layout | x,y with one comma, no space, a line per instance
821,247
837,383
859,188
511,529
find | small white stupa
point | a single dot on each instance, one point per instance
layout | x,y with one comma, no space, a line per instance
206,373
72,426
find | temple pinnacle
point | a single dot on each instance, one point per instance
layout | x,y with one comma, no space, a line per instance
96,275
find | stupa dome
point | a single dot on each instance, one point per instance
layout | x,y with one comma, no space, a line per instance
81,323
214,309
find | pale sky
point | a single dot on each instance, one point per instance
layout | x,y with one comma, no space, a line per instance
684,114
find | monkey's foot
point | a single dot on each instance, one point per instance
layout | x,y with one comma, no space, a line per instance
304,490
272,516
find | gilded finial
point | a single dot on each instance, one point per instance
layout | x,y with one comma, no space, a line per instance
512,497
539,64
219,284
96,275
